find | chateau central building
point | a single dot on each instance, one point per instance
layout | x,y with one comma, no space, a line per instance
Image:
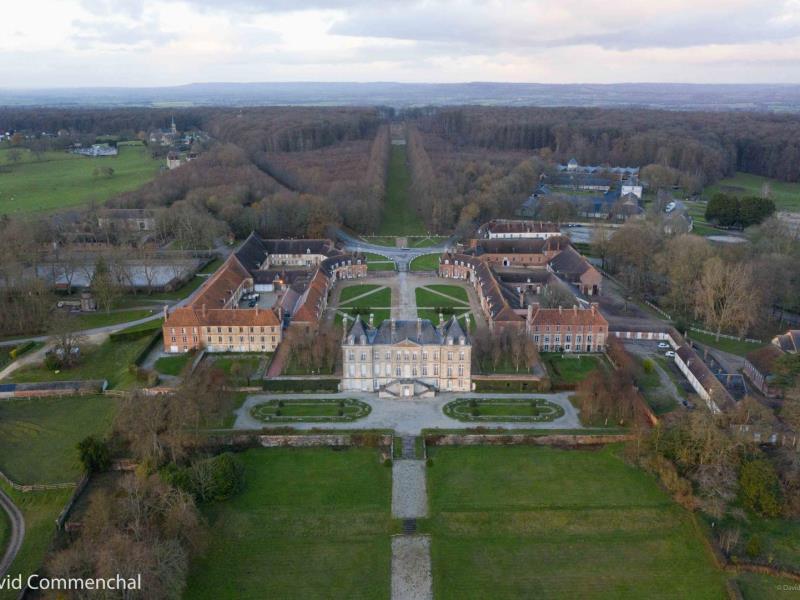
406,358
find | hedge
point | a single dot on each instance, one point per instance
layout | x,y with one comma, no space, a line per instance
512,386
301,385
21,349
137,331
139,359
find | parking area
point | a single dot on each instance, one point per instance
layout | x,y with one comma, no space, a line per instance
258,299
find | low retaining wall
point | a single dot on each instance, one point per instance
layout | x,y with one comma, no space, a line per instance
52,388
35,487
301,440
523,439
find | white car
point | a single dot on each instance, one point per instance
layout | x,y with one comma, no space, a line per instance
663,345
670,207
669,354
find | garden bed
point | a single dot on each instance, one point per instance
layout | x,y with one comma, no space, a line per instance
311,410
511,410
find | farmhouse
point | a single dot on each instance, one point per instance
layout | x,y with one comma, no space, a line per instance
406,358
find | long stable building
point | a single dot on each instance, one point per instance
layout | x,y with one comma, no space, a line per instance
299,272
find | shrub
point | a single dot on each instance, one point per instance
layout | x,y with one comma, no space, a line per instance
340,412
473,403
387,462
753,548
759,487
429,462
475,412
52,362
208,479
94,454
648,366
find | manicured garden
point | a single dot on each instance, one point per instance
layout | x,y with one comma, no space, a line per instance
324,410
353,291
570,369
310,523
363,300
60,180
523,522
450,296
426,262
510,410
38,436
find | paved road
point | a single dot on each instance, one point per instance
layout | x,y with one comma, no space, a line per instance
408,417
402,256
17,532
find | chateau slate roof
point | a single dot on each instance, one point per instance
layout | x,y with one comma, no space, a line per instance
418,331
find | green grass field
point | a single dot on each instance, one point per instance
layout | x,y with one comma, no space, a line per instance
739,347
399,216
539,522
309,524
103,319
428,298
572,369
426,262
40,510
785,195
240,368
173,365
38,435
351,291
109,360
755,586
62,180
375,297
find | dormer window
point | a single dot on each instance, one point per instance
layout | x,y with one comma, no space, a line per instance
461,340
351,340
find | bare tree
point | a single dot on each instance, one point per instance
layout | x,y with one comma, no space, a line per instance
67,343
725,296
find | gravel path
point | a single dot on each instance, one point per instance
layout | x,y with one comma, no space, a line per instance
411,568
405,306
17,532
409,416
409,492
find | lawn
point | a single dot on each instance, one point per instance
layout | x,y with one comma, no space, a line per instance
173,365
430,299
739,347
540,522
351,291
380,297
381,266
240,368
570,369
455,291
424,242
512,410
40,510
38,435
755,586
109,360
379,315
5,352
62,180
426,262
316,410
310,523
785,195
399,216
103,319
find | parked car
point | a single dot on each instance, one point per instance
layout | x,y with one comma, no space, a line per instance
669,354
663,345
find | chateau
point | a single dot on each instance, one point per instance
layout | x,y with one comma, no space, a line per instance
406,358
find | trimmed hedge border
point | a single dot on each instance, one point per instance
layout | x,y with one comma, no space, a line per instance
362,410
300,386
512,386
461,408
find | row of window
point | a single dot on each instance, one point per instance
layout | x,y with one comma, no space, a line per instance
230,339
404,356
408,371
251,329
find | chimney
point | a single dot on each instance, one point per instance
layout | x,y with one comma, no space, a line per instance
394,325
256,309
371,319
575,309
419,328
204,310
344,326
560,309
466,321
530,313
441,318
165,312
594,308
521,298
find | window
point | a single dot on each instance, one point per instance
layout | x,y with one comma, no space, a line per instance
461,356
424,356
398,372
363,356
449,356
351,356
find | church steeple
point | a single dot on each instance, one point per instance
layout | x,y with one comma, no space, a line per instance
172,127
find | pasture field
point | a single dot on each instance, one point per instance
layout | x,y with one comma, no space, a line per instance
310,523
541,522
61,180
38,435
785,195
399,216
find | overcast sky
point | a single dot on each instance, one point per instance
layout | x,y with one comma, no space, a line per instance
56,43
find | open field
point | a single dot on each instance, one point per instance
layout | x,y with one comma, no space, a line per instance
240,368
755,586
309,524
399,216
426,262
571,369
568,524
40,510
109,360
785,195
62,180
103,319
38,435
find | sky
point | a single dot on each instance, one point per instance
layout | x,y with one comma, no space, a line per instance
78,43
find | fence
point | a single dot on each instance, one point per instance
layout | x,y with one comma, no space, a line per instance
35,487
